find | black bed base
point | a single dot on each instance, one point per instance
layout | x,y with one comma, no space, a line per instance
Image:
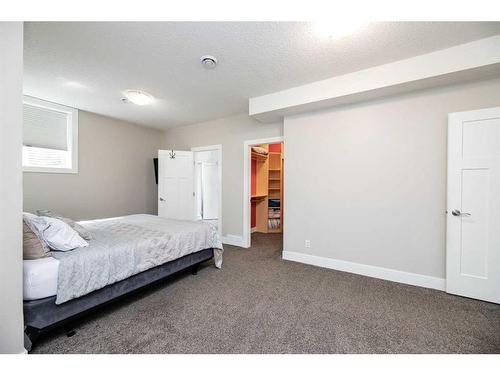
42,315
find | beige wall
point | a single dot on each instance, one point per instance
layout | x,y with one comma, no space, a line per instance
231,132
366,183
11,253
115,177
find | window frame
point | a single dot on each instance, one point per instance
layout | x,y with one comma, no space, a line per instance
72,135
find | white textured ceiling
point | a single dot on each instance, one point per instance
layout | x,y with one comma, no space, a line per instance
87,64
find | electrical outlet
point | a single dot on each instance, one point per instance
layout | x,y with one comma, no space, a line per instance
307,243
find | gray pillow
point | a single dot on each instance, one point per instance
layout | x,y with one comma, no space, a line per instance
84,233
32,246
35,224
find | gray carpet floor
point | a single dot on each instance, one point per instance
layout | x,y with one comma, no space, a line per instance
259,303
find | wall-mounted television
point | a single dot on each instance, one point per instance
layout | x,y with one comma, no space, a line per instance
155,162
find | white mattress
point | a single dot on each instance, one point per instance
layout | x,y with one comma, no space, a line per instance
40,278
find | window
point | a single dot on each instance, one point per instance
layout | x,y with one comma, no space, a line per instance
50,137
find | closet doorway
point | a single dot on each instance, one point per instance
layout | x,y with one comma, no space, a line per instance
263,187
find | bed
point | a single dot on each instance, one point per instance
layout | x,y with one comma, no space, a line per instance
125,254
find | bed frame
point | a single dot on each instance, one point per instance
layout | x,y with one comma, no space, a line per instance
42,315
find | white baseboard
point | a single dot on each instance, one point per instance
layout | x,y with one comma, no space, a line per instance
367,270
253,230
231,239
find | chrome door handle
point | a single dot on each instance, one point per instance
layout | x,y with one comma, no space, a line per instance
458,213
162,200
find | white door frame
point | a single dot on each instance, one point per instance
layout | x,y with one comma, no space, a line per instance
217,148
247,190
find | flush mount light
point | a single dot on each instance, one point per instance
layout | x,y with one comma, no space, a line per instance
335,28
208,62
75,85
138,97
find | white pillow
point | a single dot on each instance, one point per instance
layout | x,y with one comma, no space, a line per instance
60,236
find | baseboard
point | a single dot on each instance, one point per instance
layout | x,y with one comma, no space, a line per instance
367,270
231,239
253,230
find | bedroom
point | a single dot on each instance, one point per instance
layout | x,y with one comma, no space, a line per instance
305,197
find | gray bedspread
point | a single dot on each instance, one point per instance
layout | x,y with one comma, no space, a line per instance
124,246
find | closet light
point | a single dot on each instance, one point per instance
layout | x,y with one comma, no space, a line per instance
335,28
139,97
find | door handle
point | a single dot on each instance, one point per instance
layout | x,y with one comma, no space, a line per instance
162,200
458,213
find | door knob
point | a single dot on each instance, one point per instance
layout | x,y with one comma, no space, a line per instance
162,200
458,213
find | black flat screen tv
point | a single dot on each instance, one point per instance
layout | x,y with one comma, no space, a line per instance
155,162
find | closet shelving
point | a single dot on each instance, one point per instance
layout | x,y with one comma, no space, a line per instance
259,157
258,198
275,193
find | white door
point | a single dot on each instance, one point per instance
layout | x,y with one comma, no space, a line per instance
210,177
207,183
175,184
473,207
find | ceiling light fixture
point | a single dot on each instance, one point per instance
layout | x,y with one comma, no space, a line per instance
335,28
138,97
71,83
208,61
76,85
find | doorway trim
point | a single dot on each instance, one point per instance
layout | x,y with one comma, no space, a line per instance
217,148
247,181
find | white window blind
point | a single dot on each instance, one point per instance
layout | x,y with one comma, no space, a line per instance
50,137
45,128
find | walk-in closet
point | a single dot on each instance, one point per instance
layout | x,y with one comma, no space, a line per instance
267,188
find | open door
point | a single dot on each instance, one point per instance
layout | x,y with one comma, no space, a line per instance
207,189
175,184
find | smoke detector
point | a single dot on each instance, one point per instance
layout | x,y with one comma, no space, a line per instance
208,62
